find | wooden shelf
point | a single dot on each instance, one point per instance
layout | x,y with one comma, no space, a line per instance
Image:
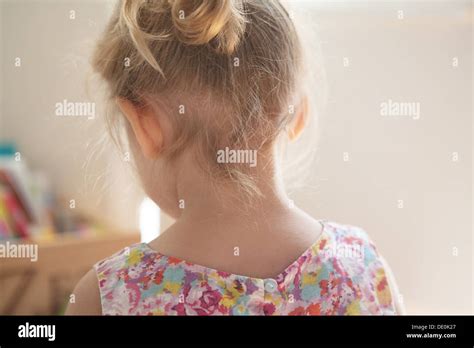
43,287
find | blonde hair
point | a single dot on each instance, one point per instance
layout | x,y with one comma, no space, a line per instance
234,66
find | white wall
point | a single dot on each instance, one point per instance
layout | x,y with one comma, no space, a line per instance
394,159
54,50
1,70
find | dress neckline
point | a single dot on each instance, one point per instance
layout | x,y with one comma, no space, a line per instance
280,277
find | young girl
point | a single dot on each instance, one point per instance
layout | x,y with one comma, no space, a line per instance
206,90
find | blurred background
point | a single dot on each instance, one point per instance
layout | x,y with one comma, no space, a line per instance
394,150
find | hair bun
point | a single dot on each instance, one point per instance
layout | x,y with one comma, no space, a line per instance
220,23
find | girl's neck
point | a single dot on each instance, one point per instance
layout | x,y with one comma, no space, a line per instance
219,223
201,199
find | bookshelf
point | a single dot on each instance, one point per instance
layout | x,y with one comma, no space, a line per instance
36,222
43,287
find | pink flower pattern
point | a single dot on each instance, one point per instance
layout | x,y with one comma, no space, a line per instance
340,274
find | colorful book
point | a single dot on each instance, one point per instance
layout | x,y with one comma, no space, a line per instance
16,214
7,179
6,230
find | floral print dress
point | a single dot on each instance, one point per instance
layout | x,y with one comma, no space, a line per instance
340,274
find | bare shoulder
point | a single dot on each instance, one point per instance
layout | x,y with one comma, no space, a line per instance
86,296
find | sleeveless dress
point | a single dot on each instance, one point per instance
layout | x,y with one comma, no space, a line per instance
340,274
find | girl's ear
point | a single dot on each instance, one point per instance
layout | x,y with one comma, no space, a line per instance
145,125
296,127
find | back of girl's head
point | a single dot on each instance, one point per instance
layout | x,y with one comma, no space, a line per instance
226,71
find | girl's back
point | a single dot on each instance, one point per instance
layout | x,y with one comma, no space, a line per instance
206,92
339,274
